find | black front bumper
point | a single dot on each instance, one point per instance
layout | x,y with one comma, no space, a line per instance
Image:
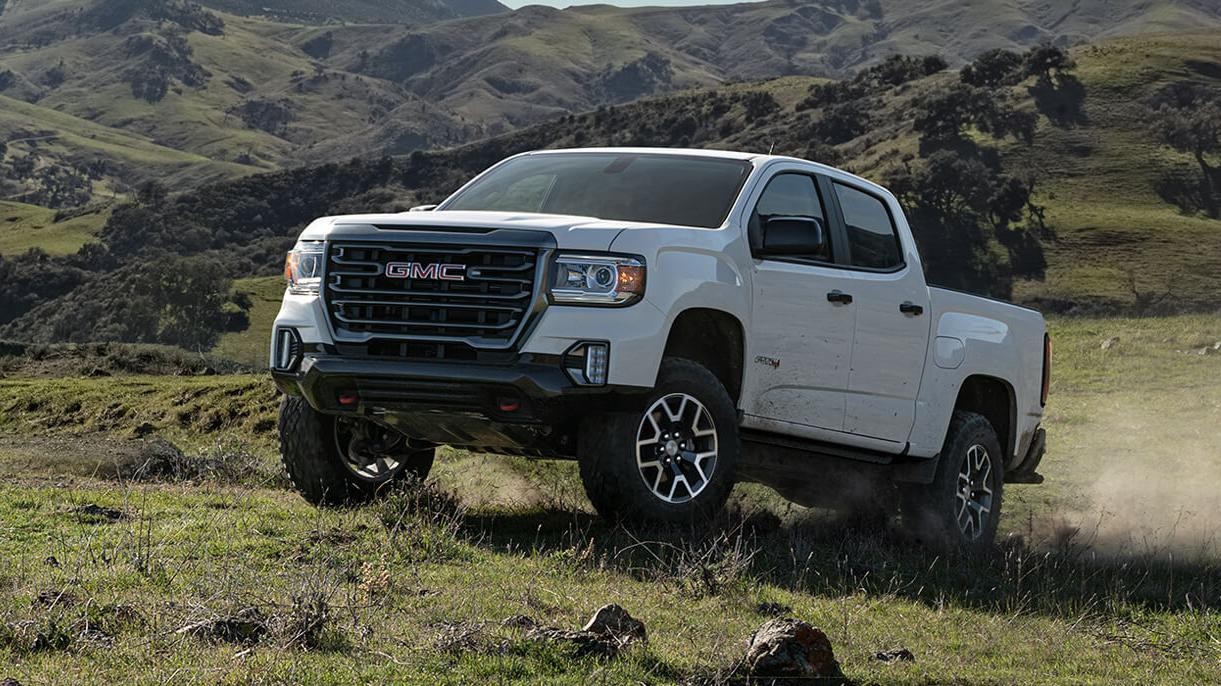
529,405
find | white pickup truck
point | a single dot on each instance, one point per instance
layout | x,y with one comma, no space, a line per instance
674,320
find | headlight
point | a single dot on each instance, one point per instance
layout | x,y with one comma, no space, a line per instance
613,280
303,268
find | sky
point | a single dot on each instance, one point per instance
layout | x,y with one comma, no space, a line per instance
621,3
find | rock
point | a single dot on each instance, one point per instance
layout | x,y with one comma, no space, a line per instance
245,626
896,655
790,648
1110,342
10,681
612,620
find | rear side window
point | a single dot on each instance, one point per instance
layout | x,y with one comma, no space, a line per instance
872,237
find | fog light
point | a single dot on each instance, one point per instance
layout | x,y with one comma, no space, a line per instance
588,363
286,354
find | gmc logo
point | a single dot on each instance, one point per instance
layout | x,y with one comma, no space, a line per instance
436,270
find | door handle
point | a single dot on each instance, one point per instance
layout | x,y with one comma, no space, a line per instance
839,297
911,308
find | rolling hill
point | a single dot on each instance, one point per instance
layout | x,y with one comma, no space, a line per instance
359,11
1108,240
238,94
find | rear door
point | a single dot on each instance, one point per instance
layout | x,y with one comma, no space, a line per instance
801,341
892,319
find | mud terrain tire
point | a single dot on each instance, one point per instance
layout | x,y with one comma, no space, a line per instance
311,456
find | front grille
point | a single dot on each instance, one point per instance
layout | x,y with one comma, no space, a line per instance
486,309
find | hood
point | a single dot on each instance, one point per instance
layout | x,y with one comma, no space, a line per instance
570,232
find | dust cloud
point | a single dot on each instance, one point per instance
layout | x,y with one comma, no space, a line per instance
1140,476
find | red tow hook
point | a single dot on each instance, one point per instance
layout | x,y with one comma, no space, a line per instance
348,399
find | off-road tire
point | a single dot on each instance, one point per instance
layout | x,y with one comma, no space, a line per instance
608,462
931,512
315,467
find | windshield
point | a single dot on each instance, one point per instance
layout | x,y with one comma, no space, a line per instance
666,189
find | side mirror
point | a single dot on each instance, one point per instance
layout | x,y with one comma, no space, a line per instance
793,236
422,208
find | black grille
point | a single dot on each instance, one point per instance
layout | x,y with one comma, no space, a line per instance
487,308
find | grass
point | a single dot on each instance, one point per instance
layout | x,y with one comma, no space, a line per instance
250,347
25,226
1065,598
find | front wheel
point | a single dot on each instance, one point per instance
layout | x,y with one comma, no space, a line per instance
673,461
332,460
960,510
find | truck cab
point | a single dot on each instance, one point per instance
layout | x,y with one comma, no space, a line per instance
674,320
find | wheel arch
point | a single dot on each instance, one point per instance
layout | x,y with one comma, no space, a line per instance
996,400
697,334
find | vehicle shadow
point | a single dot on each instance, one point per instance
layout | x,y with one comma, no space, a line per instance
838,555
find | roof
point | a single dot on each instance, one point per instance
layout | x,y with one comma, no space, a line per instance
757,159
692,152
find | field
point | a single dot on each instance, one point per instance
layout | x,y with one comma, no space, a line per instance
114,541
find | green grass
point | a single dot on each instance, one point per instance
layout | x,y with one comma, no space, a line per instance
250,347
1070,597
28,226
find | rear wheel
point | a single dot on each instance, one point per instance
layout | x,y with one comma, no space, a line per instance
961,508
333,460
671,462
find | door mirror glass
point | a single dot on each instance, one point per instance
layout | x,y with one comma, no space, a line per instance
804,236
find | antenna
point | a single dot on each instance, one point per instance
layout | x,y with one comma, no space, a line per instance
771,147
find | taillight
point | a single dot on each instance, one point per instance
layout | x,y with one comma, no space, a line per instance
1046,369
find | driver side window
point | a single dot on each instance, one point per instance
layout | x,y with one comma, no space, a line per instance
791,195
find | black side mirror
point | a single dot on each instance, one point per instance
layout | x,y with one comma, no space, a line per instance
793,236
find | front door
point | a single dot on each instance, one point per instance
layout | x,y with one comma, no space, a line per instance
801,332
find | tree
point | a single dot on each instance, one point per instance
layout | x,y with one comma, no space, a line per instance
942,119
1188,119
1048,63
151,194
970,221
993,69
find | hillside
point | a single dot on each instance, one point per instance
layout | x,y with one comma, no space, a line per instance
359,11
1091,231
260,92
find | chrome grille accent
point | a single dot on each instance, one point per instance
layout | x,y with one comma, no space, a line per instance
487,309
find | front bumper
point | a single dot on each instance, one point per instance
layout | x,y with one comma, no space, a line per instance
530,404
